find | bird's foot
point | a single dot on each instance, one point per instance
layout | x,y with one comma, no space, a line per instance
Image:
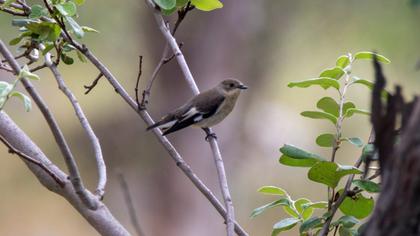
209,134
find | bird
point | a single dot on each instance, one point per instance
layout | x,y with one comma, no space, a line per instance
204,110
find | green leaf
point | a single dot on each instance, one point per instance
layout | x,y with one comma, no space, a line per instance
166,4
329,105
88,29
15,41
304,213
325,140
291,211
66,59
79,2
343,231
342,61
207,5
5,89
78,31
81,57
347,106
357,206
368,151
272,190
330,173
47,48
325,83
351,111
367,185
37,11
293,156
367,83
261,209
168,12
319,115
23,22
369,55
318,205
355,141
6,4
25,99
284,225
25,73
346,221
67,8
312,223
333,73
45,30
181,3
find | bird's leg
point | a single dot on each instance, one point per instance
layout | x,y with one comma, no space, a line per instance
209,134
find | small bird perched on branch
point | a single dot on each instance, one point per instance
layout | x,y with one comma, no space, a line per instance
203,110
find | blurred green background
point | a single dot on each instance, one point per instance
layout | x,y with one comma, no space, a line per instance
265,44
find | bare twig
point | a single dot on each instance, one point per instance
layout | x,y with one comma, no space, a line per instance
55,129
100,189
130,206
193,86
93,85
14,150
158,134
101,219
40,67
136,89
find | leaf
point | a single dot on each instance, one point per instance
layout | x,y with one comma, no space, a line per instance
367,83
343,231
168,12
325,140
294,156
25,99
47,48
261,209
319,115
6,4
368,151
5,89
207,5
78,31
37,11
367,185
347,106
166,4
346,221
15,41
88,29
357,206
351,111
66,59
181,3
79,2
325,83
333,73
48,31
273,190
25,73
355,141
81,57
284,225
329,105
330,173
370,55
342,61
67,8
304,213
23,22
312,223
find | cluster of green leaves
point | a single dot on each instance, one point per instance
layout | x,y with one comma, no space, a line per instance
45,26
7,90
170,6
328,172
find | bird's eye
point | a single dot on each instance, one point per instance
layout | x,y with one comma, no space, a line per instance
231,85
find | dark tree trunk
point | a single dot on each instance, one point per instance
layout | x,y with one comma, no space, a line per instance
397,128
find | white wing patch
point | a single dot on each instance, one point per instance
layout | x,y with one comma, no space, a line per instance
191,112
167,125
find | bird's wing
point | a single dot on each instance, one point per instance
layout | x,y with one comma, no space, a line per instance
204,107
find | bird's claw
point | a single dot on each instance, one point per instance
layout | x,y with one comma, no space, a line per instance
210,135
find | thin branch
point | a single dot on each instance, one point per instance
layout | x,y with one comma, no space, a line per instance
94,83
56,131
158,134
100,189
193,86
40,67
101,219
136,89
28,158
130,206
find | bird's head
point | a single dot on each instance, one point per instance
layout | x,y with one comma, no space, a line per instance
231,85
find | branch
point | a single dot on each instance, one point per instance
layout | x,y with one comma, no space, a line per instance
193,86
55,129
130,205
101,219
100,189
93,85
136,89
25,157
158,134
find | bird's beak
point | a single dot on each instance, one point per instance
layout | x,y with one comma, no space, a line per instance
241,86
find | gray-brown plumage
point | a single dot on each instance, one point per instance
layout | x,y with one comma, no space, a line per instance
203,110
